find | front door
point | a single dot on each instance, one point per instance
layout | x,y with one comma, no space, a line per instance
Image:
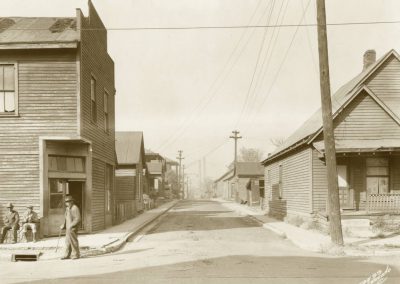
59,188
345,193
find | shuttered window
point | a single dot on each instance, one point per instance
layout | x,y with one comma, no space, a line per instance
7,89
93,101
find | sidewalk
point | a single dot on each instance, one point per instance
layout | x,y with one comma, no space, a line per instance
108,240
314,240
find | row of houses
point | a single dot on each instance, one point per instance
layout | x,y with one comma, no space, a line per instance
57,121
366,118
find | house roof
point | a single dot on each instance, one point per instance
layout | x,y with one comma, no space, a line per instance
128,147
24,30
339,99
171,162
224,176
249,169
154,167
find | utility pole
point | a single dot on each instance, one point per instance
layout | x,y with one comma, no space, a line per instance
335,224
187,187
180,158
183,181
236,137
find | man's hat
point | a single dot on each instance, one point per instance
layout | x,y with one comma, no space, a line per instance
69,198
29,206
10,205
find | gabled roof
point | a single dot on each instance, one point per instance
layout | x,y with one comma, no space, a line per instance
154,167
18,30
129,147
249,169
307,132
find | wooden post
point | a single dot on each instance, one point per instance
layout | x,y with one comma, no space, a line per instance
335,225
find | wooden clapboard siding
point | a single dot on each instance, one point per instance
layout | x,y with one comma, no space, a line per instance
125,187
98,195
47,82
296,182
320,185
365,119
385,83
96,62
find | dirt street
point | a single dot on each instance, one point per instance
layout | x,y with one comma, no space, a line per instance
203,242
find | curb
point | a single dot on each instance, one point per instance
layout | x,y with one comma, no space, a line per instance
108,248
115,246
275,230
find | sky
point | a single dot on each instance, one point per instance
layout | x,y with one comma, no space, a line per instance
187,89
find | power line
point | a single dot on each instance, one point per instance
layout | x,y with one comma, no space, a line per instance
220,27
217,83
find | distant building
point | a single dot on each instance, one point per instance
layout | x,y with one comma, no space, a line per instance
129,174
241,185
366,118
57,118
156,166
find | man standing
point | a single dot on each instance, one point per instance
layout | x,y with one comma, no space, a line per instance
71,224
11,222
30,220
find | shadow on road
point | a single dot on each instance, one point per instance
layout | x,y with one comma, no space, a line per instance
253,269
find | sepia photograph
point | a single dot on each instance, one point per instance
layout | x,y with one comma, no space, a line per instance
200,141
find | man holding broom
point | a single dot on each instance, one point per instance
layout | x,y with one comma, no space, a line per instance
71,224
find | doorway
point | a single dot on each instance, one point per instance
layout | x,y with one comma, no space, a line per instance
58,189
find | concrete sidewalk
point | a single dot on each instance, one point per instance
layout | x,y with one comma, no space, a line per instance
314,240
101,242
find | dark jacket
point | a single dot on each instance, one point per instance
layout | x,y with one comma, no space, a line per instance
11,219
72,217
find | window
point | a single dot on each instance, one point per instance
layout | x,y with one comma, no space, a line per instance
7,89
66,164
280,182
377,175
261,187
106,117
93,106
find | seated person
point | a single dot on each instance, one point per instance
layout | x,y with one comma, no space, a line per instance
11,222
30,220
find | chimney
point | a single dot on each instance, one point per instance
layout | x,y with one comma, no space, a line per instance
369,58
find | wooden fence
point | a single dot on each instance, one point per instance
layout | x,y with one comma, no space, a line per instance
387,203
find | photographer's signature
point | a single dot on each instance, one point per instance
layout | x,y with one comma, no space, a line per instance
378,277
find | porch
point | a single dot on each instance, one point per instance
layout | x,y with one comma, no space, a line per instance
368,176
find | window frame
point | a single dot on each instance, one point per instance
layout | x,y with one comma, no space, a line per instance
93,114
106,108
16,90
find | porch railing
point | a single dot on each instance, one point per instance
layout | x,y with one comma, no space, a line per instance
387,203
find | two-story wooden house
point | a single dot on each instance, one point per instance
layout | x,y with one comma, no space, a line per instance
57,118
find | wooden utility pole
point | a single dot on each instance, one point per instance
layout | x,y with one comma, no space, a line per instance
180,158
235,137
335,224
183,181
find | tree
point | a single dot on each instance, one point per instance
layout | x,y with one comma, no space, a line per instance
250,155
277,141
172,179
